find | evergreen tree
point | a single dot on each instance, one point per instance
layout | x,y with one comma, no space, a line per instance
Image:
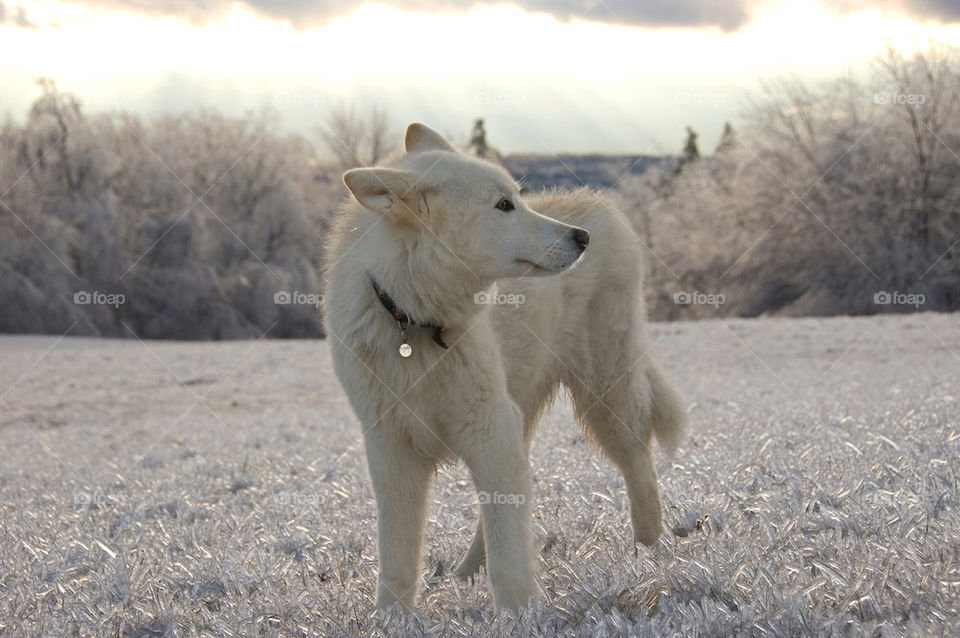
478,139
727,139
690,151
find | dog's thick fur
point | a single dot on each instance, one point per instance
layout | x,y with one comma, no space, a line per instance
428,229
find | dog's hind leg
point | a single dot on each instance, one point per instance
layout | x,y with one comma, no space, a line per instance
614,420
627,402
622,399
401,481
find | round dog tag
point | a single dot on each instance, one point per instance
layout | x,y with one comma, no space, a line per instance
405,350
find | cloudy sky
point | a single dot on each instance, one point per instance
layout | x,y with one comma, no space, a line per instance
549,76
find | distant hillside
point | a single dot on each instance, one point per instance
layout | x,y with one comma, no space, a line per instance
570,171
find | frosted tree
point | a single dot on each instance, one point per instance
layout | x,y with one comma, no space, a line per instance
825,194
196,219
356,139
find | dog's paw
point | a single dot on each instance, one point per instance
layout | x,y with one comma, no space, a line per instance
647,531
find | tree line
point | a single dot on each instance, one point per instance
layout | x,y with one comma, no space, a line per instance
838,197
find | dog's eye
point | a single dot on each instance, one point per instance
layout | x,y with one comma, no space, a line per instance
505,205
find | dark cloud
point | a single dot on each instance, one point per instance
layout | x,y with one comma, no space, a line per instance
946,11
727,15
653,13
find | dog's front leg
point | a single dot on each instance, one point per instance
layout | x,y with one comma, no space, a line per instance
496,455
401,481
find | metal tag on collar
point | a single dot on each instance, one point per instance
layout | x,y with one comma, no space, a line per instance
405,350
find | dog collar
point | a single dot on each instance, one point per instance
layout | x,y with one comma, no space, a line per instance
404,321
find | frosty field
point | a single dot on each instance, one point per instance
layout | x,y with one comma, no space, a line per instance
220,489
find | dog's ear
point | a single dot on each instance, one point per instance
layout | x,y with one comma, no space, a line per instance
384,190
421,138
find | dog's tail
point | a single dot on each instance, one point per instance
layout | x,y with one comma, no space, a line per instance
668,416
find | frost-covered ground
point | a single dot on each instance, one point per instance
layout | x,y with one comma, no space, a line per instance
220,489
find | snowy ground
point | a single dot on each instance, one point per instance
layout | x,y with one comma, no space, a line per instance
220,489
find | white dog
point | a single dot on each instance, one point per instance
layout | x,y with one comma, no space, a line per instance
440,363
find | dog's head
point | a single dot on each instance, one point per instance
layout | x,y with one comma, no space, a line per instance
468,206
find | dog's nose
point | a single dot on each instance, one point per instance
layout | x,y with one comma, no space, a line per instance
580,236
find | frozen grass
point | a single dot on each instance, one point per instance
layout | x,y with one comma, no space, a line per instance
818,494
